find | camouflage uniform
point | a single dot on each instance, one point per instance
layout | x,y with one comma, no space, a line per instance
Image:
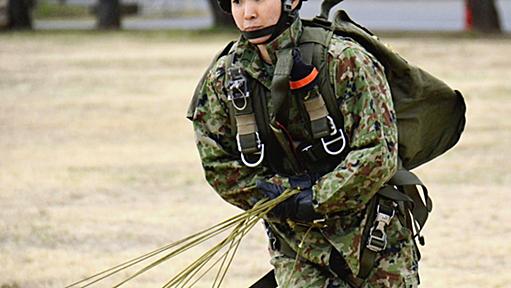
370,123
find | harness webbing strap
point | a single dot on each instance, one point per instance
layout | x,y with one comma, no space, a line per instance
409,182
392,193
248,139
280,81
316,108
367,256
313,49
246,124
318,114
247,133
408,199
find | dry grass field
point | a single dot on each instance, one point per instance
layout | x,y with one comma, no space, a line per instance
98,163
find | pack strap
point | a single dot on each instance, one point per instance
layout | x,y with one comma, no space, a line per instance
422,205
280,81
380,212
326,6
315,106
318,115
246,124
401,190
248,141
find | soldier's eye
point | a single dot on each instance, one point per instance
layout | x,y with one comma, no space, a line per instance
235,1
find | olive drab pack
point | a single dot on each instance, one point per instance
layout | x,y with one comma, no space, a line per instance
430,121
430,115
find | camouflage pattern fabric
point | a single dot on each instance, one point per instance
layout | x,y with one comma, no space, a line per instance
397,267
370,122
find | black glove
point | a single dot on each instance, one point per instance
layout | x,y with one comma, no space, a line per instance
298,207
303,77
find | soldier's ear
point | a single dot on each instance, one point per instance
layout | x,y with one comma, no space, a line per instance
296,3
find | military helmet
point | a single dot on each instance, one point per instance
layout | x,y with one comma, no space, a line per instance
226,5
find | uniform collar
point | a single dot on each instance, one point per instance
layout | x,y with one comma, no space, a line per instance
247,54
288,39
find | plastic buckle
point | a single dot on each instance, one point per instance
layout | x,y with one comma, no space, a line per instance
260,146
237,88
382,217
334,132
377,241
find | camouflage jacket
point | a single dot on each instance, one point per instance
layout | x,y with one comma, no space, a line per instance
370,122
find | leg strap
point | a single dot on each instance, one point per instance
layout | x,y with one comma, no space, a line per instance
413,210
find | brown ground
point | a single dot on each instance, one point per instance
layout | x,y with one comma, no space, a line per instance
98,163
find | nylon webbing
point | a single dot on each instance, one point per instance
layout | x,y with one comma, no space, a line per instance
321,40
409,182
367,257
280,81
316,108
409,197
248,140
246,123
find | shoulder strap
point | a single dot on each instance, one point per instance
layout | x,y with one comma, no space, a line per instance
248,140
314,45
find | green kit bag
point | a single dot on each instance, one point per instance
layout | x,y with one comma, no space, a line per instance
430,114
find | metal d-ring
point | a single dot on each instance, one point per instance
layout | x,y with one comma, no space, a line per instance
245,102
255,164
334,132
260,146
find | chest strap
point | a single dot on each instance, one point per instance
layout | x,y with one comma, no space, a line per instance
326,121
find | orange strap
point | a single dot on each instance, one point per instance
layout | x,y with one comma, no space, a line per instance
305,81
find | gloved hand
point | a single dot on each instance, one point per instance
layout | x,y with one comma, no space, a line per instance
303,77
298,207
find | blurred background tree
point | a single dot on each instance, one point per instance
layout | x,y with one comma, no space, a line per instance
108,14
483,16
19,14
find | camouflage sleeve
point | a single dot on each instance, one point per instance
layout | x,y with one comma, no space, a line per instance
370,123
215,139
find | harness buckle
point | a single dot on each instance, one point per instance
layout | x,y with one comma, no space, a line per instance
259,146
335,131
237,88
377,240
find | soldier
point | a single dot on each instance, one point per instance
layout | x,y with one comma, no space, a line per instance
264,123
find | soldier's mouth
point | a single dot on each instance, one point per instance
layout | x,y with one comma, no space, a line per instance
253,28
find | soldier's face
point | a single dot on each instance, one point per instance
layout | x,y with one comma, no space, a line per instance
251,15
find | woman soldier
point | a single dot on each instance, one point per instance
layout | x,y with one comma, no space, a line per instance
290,106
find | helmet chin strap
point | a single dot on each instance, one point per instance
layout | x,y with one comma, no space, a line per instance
286,19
